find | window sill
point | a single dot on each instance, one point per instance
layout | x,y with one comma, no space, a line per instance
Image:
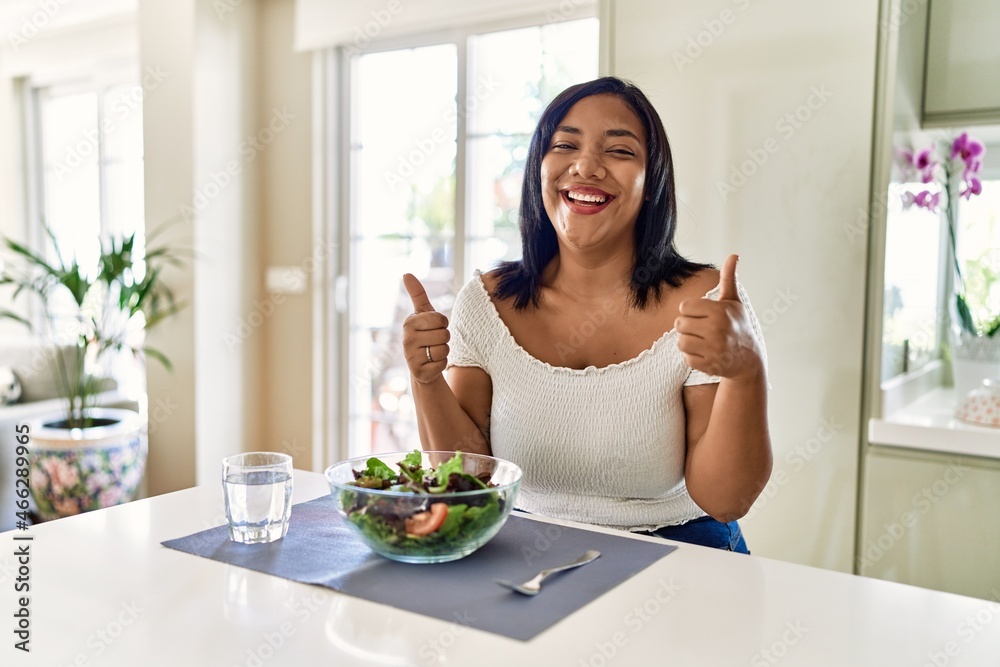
929,424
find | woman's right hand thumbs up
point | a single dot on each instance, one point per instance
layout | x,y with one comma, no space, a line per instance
425,335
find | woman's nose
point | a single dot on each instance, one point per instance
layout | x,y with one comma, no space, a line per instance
588,165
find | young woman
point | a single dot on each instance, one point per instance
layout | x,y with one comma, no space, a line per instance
627,382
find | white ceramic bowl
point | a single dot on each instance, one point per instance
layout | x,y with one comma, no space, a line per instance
982,406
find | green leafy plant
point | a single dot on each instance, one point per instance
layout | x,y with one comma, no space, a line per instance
113,304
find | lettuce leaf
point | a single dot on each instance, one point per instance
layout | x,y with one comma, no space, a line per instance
379,470
445,471
414,459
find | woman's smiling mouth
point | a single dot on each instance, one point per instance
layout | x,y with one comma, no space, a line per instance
586,200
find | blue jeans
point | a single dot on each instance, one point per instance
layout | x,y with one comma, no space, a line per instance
705,531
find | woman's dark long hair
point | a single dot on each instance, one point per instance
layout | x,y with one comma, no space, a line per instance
656,258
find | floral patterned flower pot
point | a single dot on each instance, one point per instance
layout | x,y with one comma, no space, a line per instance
79,470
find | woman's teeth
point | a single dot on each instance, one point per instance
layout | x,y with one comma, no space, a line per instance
586,198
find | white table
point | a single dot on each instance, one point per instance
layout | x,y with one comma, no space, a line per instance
104,592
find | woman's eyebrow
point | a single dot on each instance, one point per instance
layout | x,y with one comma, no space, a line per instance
622,133
616,132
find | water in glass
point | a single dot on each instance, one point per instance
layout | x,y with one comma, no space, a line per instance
258,504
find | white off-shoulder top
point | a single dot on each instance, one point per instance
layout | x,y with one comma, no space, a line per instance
603,446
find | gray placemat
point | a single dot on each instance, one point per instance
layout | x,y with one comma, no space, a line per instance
320,549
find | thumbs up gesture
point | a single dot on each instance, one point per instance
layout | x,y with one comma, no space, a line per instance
717,337
425,335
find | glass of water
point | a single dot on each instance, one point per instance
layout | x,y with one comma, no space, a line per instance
258,491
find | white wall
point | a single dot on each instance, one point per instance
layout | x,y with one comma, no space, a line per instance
227,234
199,172
167,42
724,75
285,84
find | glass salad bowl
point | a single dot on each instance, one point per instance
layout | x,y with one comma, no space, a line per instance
424,507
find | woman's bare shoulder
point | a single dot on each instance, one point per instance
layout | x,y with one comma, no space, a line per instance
699,284
490,280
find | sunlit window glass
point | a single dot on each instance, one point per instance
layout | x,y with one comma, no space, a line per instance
405,189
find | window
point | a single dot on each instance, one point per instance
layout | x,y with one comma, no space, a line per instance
913,300
919,268
87,184
979,250
89,157
438,139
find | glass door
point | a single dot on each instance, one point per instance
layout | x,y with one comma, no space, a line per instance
438,138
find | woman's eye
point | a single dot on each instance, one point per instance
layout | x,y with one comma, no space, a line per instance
562,145
622,151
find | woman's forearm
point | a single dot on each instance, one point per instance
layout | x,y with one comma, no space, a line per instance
732,461
442,423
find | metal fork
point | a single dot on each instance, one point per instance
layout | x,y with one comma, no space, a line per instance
534,586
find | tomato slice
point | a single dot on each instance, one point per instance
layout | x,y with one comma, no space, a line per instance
425,523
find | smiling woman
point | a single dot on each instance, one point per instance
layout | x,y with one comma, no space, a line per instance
597,162
627,382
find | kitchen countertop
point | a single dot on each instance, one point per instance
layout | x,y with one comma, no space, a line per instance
105,592
929,424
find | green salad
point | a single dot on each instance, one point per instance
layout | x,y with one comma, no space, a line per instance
424,521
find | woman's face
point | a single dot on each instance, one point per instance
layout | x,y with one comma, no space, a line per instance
594,173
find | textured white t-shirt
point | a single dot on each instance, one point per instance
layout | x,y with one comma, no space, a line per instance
603,446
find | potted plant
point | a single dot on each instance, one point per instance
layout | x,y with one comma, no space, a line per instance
92,317
950,170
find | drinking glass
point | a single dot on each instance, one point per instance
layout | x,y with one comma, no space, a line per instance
258,491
